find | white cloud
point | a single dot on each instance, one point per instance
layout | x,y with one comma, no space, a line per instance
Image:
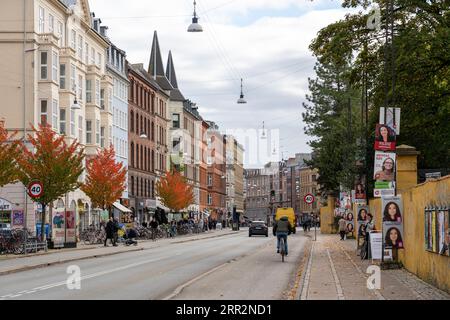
271,54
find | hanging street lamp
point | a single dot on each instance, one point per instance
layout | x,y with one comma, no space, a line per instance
195,27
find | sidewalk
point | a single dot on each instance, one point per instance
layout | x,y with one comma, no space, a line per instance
335,272
17,263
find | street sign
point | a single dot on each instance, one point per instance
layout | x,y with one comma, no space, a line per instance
35,189
309,198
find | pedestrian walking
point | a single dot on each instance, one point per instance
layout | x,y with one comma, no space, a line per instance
342,227
116,231
109,229
154,228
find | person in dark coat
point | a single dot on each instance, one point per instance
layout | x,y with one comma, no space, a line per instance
116,231
109,229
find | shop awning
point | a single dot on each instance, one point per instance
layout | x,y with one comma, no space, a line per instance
122,208
161,206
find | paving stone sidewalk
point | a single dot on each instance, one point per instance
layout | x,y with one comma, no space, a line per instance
15,263
335,272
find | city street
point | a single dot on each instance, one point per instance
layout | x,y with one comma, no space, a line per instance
232,266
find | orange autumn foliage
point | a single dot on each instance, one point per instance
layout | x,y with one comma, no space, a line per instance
9,151
105,180
174,191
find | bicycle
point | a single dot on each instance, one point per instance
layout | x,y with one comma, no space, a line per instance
282,249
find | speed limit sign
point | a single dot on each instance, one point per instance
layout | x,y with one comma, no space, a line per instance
35,189
309,198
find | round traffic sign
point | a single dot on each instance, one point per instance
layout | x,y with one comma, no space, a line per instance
309,198
35,189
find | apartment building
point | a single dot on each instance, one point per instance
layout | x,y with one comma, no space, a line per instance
54,72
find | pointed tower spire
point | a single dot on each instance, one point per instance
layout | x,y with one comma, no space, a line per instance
155,67
170,72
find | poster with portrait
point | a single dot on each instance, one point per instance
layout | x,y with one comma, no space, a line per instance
345,201
70,227
392,209
58,228
391,117
359,194
350,227
393,235
384,169
385,138
362,218
17,218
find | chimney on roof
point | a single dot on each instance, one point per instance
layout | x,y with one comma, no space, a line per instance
97,23
104,31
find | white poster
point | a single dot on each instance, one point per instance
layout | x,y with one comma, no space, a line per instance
376,244
391,118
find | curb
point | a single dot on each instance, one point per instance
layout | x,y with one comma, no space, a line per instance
43,265
304,266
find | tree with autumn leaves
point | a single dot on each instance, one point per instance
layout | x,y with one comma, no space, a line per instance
51,161
9,151
106,179
174,191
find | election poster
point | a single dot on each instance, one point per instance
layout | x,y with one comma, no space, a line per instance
393,235
58,228
392,209
385,138
70,227
391,117
384,166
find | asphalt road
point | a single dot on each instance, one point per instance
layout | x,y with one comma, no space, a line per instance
229,267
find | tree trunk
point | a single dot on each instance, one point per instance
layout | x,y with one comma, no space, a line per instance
43,237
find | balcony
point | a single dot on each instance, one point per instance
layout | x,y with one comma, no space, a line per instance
48,39
94,69
68,52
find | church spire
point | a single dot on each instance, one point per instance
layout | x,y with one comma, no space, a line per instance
170,72
155,67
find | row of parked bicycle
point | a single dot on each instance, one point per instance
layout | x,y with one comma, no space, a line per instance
12,241
97,236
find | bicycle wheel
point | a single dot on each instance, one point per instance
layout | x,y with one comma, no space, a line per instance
282,247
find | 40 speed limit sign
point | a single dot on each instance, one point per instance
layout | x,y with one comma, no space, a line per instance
35,189
309,198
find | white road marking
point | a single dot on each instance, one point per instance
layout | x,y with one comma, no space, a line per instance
90,276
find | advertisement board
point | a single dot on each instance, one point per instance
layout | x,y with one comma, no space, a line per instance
17,218
70,227
376,245
393,235
58,228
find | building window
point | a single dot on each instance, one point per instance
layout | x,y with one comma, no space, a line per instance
41,20
92,56
80,47
88,131
153,132
72,122
97,132
51,23
209,199
73,85
102,99
110,99
55,63
176,120
44,112
88,91
86,53
80,87
73,40
62,121
99,59
62,76
132,155
153,189
132,185
44,65
60,33
55,113
80,129
210,179
97,92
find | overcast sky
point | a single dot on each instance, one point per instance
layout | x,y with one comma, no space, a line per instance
263,41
